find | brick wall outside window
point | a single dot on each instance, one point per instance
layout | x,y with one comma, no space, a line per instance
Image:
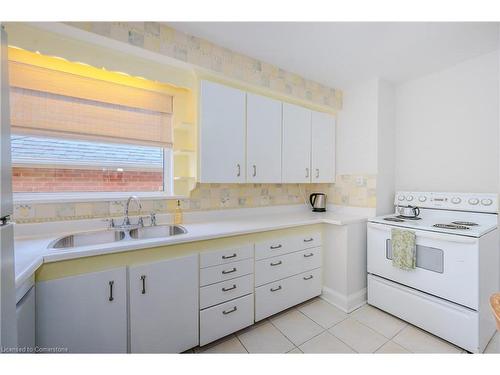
49,180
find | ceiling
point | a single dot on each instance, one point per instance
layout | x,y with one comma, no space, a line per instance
339,54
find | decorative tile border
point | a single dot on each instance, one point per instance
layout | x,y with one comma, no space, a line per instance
160,38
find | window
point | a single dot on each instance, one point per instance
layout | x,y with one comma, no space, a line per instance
72,132
49,165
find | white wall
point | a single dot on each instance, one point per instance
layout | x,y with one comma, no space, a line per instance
357,130
386,137
447,131
366,136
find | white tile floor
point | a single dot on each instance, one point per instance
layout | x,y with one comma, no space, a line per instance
318,327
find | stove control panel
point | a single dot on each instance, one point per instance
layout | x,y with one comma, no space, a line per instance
480,202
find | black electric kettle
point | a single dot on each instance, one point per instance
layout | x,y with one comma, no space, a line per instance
318,202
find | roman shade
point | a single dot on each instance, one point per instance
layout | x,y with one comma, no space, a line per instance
56,103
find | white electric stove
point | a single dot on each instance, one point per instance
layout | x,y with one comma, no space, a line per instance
457,266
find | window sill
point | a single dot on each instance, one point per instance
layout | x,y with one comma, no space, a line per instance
33,198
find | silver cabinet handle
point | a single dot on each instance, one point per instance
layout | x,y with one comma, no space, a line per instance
238,174
275,289
143,279
317,172
229,256
225,272
254,170
308,239
230,288
307,172
276,263
308,277
308,255
111,283
225,312
275,247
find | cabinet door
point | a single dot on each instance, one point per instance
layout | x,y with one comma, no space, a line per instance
323,147
296,144
85,313
164,306
263,139
222,134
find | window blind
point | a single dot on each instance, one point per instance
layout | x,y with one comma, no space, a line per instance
54,103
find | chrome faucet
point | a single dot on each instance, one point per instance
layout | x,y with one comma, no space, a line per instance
126,219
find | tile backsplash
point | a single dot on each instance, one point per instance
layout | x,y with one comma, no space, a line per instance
348,190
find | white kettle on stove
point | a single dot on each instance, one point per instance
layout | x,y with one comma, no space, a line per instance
410,212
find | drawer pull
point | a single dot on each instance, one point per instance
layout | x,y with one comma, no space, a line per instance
275,289
274,247
225,272
225,312
308,255
308,239
230,288
229,256
276,263
308,277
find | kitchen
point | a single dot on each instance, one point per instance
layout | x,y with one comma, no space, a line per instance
188,187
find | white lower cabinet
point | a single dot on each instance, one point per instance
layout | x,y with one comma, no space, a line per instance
164,306
226,318
280,295
83,314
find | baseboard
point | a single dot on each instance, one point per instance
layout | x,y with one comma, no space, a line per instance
345,303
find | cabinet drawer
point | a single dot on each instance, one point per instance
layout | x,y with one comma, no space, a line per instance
306,241
276,268
280,295
229,317
212,275
215,258
278,246
214,294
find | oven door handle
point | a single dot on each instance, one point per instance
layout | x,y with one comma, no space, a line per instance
426,235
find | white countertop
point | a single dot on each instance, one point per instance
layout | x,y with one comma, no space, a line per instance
31,246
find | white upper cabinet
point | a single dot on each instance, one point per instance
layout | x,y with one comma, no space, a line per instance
263,139
163,299
222,134
322,148
296,144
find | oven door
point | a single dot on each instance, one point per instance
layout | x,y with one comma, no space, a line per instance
447,265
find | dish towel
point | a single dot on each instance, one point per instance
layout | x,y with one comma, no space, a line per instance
404,249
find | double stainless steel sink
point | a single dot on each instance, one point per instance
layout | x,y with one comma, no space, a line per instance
102,237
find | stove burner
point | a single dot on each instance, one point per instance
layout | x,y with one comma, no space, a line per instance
450,226
394,219
408,217
466,223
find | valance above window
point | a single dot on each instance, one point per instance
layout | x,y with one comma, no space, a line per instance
56,103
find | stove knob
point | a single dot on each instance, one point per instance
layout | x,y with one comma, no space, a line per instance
409,198
486,202
401,197
473,201
422,198
456,200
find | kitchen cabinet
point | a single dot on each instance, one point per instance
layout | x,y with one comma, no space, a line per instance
226,292
296,144
164,305
84,313
263,139
222,134
322,147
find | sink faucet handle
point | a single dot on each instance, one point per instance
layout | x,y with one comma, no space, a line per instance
152,217
111,222
141,221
